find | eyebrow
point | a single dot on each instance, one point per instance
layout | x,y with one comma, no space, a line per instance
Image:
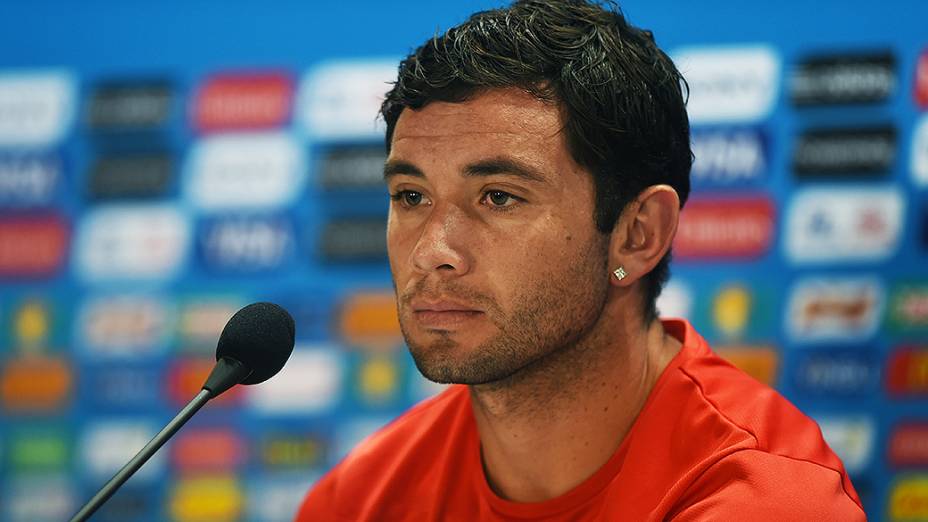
488,167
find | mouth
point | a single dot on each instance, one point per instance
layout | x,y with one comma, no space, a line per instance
443,315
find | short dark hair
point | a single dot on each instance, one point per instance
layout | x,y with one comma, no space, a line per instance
621,97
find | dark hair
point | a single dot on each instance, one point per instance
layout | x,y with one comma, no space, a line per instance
621,97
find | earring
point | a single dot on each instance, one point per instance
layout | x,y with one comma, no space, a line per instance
620,273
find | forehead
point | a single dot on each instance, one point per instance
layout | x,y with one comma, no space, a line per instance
505,114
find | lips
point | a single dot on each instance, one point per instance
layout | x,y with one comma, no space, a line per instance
443,314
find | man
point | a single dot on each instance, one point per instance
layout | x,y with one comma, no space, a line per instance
538,160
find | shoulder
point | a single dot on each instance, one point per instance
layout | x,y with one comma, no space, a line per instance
757,485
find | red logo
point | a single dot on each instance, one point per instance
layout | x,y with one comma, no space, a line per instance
212,450
186,378
725,228
907,371
908,445
921,81
243,101
32,246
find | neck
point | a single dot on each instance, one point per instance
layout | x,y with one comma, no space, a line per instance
548,428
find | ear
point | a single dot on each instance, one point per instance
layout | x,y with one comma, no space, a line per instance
644,233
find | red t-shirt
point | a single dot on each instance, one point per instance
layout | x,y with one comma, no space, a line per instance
709,444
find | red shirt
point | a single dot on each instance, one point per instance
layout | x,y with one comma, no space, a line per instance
709,444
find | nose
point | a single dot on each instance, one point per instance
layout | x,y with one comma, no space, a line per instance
441,244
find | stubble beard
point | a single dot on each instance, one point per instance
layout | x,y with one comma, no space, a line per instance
550,317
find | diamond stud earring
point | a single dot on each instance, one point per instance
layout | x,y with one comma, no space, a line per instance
620,273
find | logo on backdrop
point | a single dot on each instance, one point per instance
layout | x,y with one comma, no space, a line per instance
243,101
125,325
36,109
920,152
202,319
837,373
38,448
908,445
124,388
729,84
760,362
907,371
845,78
246,243
107,445
129,105
291,451
834,309
844,224
310,383
39,497
131,175
852,438
131,242
208,450
920,90
843,153
734,228
908,307
354,239
676,299
245,171
908,499
729,157
206,497
340,100
357,167
32,246
28,179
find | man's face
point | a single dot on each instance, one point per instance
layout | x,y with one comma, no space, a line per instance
495,257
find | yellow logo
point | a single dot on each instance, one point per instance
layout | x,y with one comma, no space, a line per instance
732,310
378,379
31,324
207,498
909,499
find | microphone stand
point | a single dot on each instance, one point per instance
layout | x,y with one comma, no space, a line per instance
225,374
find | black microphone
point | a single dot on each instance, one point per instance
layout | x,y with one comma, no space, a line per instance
254,345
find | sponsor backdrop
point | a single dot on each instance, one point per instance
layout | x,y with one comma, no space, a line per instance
163,165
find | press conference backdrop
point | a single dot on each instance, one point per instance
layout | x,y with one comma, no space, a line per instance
163,164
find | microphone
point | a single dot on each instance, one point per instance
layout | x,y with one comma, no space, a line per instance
254,345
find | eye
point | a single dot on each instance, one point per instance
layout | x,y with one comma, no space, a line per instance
499,199
408,198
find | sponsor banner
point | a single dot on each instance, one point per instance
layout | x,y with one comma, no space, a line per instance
908,445
132,242
355,167
208,450
245,172
246,243
729,84
676,299
844,78
38,449
32,326
728,157
843,153
107,445
234,101
920,152
838,224
852,438
760,362
292,451
368,320
354,239
137,175
206,497
341,100
35,385
908,499
837,373
908,307
202,319
277,497
907,372
39,497
185,379
36,109
726,228
33,245
310,383
123,388
124,325
29,179
834,309
920,90
130,105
